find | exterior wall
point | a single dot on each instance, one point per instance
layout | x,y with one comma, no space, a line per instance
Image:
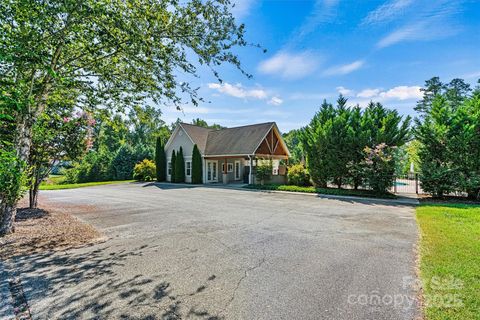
180,139
230,175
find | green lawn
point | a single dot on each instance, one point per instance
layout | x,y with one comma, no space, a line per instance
326,191
450,260
78,185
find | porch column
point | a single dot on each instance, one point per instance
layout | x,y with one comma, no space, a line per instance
250,174
204,172
225,173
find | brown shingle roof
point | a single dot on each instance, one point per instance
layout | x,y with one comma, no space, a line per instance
239,140
229,141
198,135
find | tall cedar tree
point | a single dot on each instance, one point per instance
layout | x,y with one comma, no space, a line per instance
180,167
160,160
196,166
173,163
448,133
335,141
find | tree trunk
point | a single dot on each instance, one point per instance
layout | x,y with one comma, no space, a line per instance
24,138
33,196
7,217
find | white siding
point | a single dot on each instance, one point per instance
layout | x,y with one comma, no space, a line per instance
180,139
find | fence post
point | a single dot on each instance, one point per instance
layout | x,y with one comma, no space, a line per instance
416,183
395,185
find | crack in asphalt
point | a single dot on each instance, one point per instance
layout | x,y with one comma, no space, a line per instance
245,275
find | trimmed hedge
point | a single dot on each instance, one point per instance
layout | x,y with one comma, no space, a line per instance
197,174
326,191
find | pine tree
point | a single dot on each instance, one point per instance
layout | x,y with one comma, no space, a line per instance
173,161
196,166
180,167
160,161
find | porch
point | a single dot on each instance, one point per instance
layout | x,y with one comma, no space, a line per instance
242,169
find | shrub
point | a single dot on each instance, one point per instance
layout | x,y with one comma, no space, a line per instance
173,161
297,175
196,166
160,161
122,164
380,168
12,183
180,167
95,166
264,170
144,171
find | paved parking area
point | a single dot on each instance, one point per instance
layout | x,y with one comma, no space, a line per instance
211,253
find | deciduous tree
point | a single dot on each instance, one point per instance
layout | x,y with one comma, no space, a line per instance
112,53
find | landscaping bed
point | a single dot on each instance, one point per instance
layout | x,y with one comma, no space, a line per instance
47,229
325,191
450,260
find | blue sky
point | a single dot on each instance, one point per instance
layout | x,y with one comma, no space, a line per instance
367,50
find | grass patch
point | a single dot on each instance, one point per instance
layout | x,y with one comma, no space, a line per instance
450,260
326,191
78,185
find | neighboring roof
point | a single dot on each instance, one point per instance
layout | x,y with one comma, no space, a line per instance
238,140
197,134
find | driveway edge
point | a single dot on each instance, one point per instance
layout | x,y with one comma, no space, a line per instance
404,200
6,305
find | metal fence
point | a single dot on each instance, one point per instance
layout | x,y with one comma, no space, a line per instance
408,183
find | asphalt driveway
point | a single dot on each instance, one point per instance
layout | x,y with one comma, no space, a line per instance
211,253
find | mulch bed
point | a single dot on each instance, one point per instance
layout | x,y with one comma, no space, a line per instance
47,229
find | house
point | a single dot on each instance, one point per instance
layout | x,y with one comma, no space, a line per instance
230,155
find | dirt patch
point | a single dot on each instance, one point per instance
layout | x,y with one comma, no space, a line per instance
48,229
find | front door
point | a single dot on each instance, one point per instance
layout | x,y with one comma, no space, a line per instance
237,170
212,171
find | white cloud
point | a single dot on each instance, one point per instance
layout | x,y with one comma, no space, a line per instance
323,11
242,8
344,91
195,110
413,32
398,93
276,101
368,93
402,93
473,75
387,11
344,69
238,91
426,21
290,65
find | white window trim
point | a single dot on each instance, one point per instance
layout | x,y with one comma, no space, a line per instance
169,168
229,167
187,168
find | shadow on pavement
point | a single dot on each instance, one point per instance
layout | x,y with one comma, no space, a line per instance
114,296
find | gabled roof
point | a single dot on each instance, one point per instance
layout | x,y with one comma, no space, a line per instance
237,141
197,134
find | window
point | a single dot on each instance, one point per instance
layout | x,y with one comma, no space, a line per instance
229,167
188,168
169,168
